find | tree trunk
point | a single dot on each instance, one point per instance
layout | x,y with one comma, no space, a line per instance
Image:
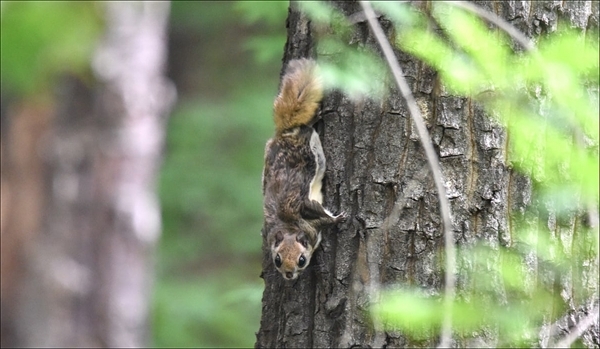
87,271
374,161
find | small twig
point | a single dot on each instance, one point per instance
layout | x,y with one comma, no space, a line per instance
433,164
578,330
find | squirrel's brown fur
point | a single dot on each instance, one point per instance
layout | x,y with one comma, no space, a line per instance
300,95
293,172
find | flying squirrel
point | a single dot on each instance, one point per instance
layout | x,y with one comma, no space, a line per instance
293,172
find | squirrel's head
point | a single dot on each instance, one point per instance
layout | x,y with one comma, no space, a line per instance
291,253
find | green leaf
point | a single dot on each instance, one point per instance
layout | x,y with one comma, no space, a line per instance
488,51
43,39
318,11
271,13
409,311
399,13
357,73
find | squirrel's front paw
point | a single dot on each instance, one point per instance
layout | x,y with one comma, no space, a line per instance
340,217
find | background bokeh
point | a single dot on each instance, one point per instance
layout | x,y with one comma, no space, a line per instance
74,267
224,58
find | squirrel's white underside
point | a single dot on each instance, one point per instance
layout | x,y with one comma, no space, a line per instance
317,182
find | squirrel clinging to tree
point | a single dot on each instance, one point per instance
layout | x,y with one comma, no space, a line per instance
293,172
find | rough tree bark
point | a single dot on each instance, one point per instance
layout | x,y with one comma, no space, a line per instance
86,273
374,159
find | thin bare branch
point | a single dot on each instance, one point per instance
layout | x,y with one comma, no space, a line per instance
499,22
433,164
578,330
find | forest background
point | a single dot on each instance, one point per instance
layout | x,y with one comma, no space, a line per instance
225,58
224,61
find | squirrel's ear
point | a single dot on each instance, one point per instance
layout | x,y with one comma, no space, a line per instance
301,238
278,237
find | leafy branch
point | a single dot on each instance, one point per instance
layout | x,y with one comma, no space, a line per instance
542,112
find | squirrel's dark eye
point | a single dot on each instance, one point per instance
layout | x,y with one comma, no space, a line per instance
278,261
301,261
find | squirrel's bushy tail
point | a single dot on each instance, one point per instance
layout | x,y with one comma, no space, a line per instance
300,95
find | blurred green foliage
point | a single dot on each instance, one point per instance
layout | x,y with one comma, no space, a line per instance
225,60
483,63
207,290
267,45
211,202
482,66
548,101
39,43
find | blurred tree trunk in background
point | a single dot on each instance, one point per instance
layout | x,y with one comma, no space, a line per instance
80,217
22,197
374,159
